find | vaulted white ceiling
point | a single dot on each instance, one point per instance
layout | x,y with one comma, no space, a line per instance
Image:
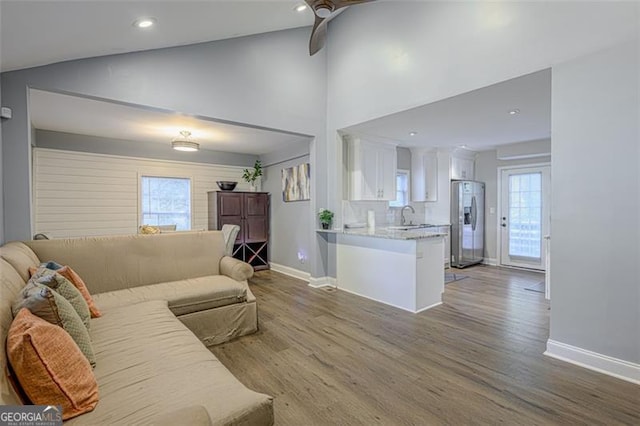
34,33
42,32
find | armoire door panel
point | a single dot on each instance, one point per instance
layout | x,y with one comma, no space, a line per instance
256,229
230,204
256,205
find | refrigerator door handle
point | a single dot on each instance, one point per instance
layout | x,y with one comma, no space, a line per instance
474,213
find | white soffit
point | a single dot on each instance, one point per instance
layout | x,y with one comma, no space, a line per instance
478,120
73,114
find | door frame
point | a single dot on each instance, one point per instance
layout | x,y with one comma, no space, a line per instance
499,247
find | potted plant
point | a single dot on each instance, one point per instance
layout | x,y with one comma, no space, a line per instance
326,217
250,176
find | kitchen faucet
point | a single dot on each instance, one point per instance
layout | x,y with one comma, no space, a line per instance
402,218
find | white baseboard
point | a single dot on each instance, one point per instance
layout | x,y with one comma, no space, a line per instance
391,304
615,367
292,272
490,261
322,282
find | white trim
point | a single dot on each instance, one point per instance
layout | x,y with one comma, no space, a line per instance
615,367
390,304
490,261
292,272
322,282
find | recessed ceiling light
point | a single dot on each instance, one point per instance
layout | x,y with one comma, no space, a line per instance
301,7
462,146
413,133
514,111
144,22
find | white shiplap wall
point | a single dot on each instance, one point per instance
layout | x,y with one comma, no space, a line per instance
82,194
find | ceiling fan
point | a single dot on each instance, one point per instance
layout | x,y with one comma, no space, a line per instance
324,11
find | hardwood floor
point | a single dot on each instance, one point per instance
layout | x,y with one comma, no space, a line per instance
329,357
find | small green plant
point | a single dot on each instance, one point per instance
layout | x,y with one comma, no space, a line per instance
326,217
250,176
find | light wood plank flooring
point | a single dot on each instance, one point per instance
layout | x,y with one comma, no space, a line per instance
329,357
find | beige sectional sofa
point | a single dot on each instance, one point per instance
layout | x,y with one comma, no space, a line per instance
162,296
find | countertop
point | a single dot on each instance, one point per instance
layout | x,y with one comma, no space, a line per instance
391,234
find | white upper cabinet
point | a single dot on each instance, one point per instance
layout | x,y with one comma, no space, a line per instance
372,170
424,175
462,167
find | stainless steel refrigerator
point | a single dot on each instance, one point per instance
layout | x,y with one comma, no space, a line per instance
467,223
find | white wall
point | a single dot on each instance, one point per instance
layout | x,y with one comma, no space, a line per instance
487,171
595,209
290,227
81,194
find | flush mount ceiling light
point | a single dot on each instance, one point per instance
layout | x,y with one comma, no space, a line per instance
413,133
184,143
514,111
145,22
300,8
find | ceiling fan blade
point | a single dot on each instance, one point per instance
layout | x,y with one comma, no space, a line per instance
318,35
344,3
319,32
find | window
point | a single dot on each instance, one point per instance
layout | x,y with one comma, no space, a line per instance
525,215
402,189
166,201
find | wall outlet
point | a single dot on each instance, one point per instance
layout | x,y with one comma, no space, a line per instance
5,112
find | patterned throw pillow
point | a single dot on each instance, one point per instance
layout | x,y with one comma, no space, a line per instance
66,289
49,366
148,229
75,279
45,303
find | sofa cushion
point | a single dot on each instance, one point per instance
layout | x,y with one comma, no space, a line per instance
21,257
149,363
45,303
194,415
66,289
50,367
184,297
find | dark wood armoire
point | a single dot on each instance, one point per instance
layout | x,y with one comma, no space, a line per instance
250,211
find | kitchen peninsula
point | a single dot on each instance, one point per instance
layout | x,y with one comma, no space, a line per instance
402,268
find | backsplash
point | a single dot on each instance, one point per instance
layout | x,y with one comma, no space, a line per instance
356,211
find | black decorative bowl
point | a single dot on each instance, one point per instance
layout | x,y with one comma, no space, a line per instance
226,185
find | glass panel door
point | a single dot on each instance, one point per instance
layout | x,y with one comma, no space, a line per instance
524,216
